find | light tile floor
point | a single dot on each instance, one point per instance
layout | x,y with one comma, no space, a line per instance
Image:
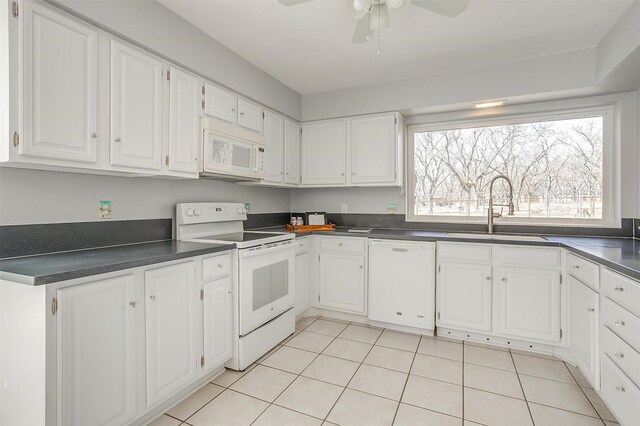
336,373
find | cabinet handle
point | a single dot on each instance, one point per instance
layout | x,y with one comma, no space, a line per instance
503,279
619,323
118,140
152,297
233,109
94,136
229,292
340,244
488,278
618,354
621,388
591,309
241,112
361,267
576,266
616,288
342,174
132,304
219,265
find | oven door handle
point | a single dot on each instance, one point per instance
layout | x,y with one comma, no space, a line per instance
266,250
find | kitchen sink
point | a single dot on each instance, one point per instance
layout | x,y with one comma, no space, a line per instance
495,236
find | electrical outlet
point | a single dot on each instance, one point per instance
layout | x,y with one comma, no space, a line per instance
104,210
392,208
343,208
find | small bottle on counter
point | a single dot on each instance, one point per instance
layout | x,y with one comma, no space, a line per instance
293,221
299,221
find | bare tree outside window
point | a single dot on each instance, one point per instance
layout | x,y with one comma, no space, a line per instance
556,168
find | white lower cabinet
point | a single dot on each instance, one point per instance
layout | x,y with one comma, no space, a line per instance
402,283
218,327
464,296
584,324
96,347
529,303
172,348
342,282
302,277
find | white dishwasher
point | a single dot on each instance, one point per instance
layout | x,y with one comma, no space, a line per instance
402,281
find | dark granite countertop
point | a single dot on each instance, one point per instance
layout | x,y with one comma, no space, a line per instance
54,267
620,254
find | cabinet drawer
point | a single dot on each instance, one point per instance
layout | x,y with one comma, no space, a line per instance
464,252
343,245
302,245
622,322
585,271
620,394
216,267
530,257
623,355
622,290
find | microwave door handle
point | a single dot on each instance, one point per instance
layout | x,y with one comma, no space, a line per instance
254,159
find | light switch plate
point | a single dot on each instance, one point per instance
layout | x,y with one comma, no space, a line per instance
104,210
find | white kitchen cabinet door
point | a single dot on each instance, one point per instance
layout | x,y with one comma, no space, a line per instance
302,283
220,103
96,347
60,70
529,303
342,282
136,108
584,320
184,121
323,153
274,135
172,348
373,149
402,283
464,299
250,116
218,327
291,152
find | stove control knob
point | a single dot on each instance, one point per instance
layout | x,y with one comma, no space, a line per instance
240,210
196,212
189,212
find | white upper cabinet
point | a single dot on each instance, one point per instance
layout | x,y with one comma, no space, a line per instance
529,301
324,147
274,135
220,103
136,108
172,341
184,121
291,152
60,71
373,149
250,115
96,352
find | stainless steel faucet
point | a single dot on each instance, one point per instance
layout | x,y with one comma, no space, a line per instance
491,215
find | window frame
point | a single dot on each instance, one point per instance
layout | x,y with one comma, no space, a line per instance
610,146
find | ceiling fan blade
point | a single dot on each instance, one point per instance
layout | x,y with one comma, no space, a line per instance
448,8
362,33
292,2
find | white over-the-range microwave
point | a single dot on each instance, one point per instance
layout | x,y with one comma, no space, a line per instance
230,152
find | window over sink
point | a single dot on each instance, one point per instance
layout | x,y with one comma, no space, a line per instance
560,165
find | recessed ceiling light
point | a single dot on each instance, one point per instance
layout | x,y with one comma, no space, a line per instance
489,104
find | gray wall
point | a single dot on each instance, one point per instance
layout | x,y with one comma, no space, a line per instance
33,196
153,26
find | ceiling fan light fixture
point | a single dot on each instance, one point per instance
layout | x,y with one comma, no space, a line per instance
379,17
362,5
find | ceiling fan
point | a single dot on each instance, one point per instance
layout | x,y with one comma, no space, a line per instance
373,15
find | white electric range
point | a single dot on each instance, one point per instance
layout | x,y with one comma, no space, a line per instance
264,279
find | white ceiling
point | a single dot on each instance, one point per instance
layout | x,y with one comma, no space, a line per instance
308,46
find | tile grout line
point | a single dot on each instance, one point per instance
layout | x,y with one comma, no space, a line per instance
524,395
406,381
584,393
296,378
354,375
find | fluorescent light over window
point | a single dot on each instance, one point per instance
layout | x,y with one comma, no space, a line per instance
489,104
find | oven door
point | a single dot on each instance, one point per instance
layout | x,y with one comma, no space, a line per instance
266,283
228,155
